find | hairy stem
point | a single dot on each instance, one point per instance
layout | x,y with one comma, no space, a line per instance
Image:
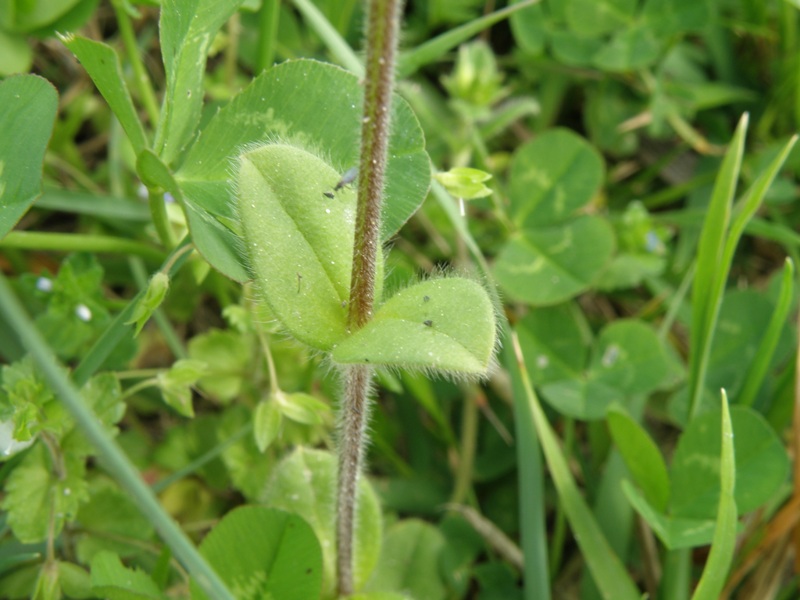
383,18
381,49
353,424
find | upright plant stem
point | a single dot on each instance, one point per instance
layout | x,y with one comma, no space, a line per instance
381,48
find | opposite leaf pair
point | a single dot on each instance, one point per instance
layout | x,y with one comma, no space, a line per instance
300,244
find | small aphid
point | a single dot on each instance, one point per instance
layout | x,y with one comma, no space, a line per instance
428,323
299,282
426,298
328,195
348,177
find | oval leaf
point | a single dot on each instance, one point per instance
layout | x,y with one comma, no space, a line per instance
761,464
305,484
319,106
552,264
410,561
263,553
26,122
552,177
299,241
443,324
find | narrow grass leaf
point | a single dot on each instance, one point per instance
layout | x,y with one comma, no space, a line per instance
766,349
605,566
102,64
722,548
709,255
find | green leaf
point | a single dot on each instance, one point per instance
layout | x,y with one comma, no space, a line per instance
668,17
641,456
634,48
36,495
595,17
761,464
305,484
47,585
744,317
466,183
710,273
75,581
228,355
435,49
759,366
102,64
187,29
715,573
574,50
16,56
303,408
266,424
447,325
675,532
27,401
299,242
627,359
110,521
324,116
29,109
548,265
154,295
606,569
528,26
176,384
552,178
264,553
25,17
112,580
555,341
410,561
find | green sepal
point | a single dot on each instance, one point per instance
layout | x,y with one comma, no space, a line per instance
446,324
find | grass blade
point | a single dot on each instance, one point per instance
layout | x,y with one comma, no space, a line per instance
760,365
722,548
606,568
536,573
709,254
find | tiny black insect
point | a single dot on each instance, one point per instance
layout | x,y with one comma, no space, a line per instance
348,177
428,323
426,298
328,195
